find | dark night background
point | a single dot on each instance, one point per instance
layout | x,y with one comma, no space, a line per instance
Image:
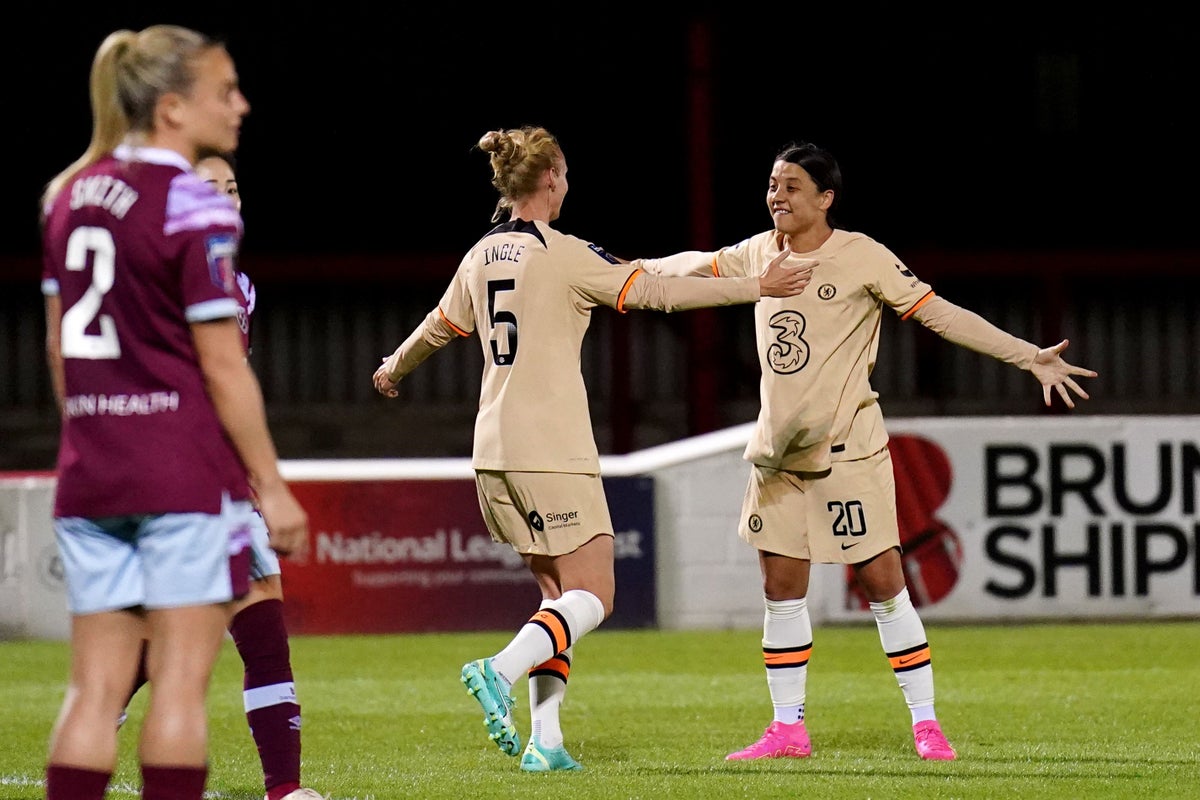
998,129
1037,165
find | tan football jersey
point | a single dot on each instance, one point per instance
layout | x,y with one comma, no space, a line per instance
528,291
816,350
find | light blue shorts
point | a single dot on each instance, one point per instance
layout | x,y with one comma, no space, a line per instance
156,560
264,562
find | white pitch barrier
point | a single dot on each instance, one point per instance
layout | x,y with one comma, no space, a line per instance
1003,519
33,599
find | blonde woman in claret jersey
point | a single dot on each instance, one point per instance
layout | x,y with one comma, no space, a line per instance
148,367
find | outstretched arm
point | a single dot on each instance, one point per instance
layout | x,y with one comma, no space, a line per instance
689,262
957,324
782,278
430,336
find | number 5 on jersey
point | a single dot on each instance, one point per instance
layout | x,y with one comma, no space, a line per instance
503,338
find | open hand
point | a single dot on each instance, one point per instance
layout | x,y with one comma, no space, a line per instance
1054,373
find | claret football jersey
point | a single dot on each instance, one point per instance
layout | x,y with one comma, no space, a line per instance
138,248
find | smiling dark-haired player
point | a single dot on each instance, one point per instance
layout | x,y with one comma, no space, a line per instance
821,486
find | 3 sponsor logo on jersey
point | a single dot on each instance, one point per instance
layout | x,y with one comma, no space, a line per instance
787,352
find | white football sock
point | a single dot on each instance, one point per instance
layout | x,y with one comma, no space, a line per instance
903,638
787,643
556,626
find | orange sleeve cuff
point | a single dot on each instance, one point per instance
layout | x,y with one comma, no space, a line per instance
928,296
446,319
625,289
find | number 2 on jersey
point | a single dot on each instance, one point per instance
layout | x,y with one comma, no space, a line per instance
76,342
503,325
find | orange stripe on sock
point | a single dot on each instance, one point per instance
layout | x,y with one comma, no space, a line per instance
559,667
555,626
910,659
783,657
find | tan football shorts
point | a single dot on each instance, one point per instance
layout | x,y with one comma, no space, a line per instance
543,513
844,516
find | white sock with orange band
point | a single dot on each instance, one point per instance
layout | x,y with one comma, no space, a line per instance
903,638
787,643
547,688
556,626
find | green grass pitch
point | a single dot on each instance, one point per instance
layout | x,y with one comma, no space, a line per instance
1057,711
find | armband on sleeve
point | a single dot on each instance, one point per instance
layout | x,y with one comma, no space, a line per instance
966,328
